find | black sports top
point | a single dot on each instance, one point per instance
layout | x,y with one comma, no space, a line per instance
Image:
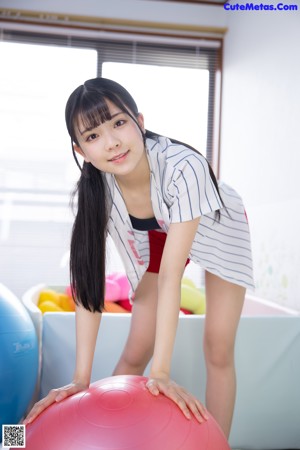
144,224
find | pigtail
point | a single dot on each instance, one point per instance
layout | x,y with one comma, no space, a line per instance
88,241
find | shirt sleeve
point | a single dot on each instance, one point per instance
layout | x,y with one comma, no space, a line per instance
192,190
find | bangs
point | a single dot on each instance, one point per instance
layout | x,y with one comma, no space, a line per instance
92,112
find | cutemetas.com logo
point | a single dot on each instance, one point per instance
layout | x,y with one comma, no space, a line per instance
249,6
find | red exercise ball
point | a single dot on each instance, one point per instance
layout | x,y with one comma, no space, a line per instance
119,413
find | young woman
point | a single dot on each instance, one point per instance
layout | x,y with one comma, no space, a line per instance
160,202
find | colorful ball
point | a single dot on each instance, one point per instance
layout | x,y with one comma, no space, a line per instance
189,282
19,359
123,283
48,295
119,413
112,290
193,299
68,291
113,307
66,302
49,306
51,301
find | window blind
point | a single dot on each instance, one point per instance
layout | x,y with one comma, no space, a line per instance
146,50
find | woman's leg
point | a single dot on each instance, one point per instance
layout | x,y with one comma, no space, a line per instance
224,305
140,342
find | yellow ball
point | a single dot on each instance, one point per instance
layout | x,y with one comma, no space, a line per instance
188,282
49,295
49,306
66,303
192,299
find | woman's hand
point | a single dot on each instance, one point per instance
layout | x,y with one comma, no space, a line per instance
55,395
185,401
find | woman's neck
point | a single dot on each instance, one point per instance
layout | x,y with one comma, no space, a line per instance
136,191
137,179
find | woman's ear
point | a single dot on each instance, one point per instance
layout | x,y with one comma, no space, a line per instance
140,120
78,150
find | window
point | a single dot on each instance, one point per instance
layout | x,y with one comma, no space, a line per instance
37,171
179,109
34,84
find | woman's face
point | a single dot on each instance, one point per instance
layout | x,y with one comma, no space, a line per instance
116,146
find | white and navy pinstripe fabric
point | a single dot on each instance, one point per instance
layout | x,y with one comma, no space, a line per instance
181,190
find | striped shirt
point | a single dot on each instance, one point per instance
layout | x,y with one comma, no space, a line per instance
181,190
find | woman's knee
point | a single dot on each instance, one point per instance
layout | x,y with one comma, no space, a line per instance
140,343
138,354
224,303
218,352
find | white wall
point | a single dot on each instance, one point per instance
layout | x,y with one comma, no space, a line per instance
261,141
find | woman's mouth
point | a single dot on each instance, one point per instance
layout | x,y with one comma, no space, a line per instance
119,158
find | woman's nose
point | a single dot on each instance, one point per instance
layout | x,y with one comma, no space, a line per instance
111,142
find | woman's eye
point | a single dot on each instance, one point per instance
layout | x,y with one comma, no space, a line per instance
92,137
119,122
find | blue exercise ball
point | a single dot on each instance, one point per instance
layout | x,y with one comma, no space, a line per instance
19,359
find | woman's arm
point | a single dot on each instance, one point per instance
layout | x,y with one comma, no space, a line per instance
87,326
177,248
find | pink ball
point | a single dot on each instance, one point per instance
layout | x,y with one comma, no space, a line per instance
68,291
123,283
119,413
112,290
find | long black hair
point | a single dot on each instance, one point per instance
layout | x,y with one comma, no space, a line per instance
88,241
